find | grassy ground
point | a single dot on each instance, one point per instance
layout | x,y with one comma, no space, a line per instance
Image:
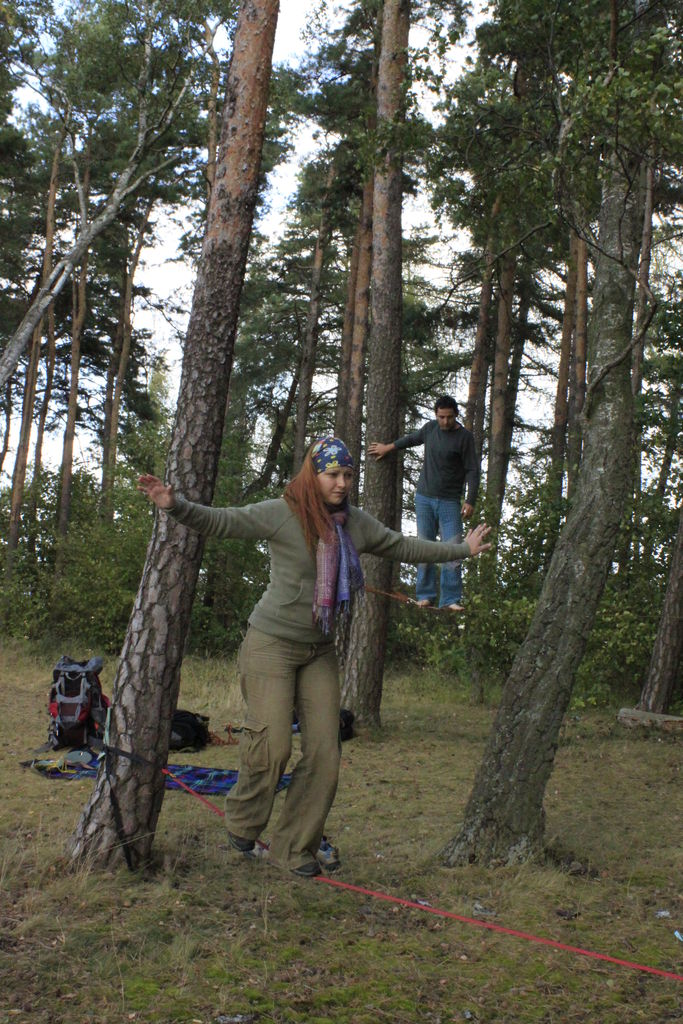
206,936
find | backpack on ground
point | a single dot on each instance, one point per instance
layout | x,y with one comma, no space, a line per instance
78,708
188,731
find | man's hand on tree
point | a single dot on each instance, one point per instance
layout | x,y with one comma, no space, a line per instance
380,450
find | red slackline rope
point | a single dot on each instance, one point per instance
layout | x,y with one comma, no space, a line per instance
496,928
539,939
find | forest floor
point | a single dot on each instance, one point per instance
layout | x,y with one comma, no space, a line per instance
206,936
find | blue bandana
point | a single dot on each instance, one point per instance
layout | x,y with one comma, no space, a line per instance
330,453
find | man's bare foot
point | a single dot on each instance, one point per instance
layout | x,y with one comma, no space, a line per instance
424,603
454,608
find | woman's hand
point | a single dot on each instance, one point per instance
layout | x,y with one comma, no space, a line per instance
475,539
158,492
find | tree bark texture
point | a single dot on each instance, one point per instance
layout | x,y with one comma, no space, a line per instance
310,340
504,818
362,687
121,817
476,397
666,653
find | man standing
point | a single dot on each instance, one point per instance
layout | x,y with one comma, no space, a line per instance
450,469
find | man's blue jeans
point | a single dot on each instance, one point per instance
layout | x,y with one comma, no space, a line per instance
439,517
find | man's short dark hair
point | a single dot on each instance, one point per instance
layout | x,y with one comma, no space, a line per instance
446,402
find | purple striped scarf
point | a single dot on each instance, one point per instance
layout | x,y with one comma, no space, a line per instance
338,575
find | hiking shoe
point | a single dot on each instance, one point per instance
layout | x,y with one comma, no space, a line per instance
328,855
240,844
259,853
308,870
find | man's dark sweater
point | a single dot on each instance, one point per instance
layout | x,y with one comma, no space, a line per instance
450,462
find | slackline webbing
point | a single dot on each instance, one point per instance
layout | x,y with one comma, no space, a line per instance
425,908
495,927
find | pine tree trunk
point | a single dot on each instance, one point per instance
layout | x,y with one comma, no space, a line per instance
362,687
672,442
341,410
577,380
504,818
51,353
66,476
666,653
561,417
212,112
519,337
495,476
310,343
7,408
21,458
476,398
121,817
630,554
270,462
126,332
361,311
31,381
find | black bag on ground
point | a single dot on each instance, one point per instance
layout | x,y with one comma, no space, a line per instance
346,724
188,731
78,708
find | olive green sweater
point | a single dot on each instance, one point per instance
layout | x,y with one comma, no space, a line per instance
286,608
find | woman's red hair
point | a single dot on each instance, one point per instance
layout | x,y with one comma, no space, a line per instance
303,496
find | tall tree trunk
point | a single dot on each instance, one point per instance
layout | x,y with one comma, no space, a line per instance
577,380
51,353
633,534
362,687
66,474
672,442
495,476
561,417
504,817
270,462
21,458
121,817
341,410
361,311
520,331
112,369
7,408
310,341
212,111
31,381
476,398
666,653
126,333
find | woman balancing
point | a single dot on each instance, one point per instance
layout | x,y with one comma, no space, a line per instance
287,660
